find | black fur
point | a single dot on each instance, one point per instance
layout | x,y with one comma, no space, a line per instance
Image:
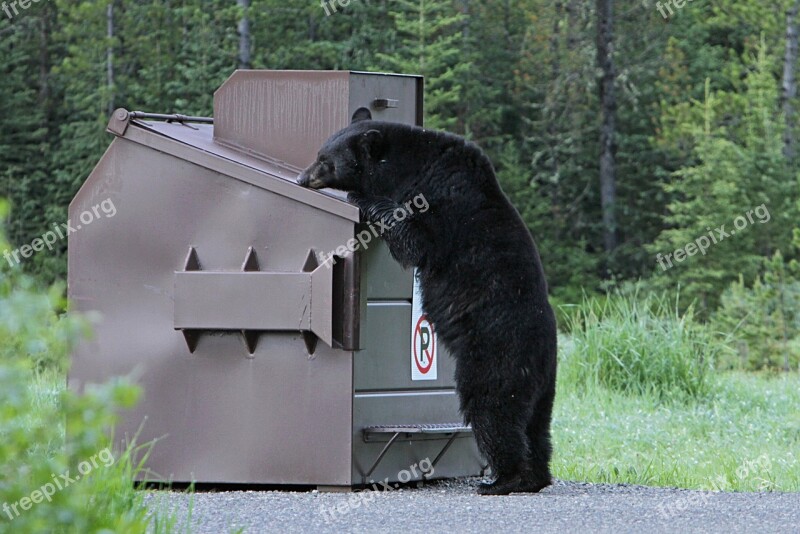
482,280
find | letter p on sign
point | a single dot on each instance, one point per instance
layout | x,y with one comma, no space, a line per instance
423,340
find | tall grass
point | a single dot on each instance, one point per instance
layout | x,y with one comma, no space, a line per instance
640,401
640,345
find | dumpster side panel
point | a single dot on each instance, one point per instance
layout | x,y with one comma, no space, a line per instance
220,414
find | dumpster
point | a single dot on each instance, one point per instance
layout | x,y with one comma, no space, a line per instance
268,352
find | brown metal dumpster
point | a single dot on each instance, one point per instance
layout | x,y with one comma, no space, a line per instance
261,362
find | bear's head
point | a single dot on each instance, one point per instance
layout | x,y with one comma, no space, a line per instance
348,159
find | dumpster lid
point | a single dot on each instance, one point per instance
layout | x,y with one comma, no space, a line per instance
194,142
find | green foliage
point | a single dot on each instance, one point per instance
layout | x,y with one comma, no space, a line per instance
34,409
764,317
569,267
641,346
428,35
737,166
699,124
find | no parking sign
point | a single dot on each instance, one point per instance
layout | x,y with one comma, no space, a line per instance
424,349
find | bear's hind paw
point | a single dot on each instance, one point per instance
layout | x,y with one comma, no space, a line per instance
501,486
515,484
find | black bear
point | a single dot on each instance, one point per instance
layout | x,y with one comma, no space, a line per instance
483,286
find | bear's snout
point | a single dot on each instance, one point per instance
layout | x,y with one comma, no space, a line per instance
303,179
308,178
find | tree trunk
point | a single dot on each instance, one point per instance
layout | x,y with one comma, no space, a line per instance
788,85
244,35
555,77
110,56
608,108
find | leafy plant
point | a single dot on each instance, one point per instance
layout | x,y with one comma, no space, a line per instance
641,346
50,483
764,317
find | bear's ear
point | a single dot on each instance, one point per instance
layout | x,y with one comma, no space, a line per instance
370,142
361,114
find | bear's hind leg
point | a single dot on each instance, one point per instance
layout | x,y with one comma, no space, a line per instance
500,434
537,475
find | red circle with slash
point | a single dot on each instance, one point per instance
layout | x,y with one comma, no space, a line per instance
424,344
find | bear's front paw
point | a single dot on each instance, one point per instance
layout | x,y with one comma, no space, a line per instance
355,198
375,209
362,201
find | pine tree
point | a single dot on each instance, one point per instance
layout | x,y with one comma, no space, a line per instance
25,124
738,166
429,40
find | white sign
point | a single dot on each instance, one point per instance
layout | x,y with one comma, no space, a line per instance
424,349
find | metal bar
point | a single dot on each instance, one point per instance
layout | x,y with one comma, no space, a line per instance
207,300
170,117
351,302
380,457
441,453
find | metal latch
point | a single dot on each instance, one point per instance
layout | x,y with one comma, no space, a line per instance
385,103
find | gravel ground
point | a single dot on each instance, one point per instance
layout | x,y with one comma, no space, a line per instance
453,506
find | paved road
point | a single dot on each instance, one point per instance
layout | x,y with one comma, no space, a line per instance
453,506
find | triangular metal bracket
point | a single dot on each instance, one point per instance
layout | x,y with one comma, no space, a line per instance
251,261
192,262
193,299
311,262
251,340
310,339
191,337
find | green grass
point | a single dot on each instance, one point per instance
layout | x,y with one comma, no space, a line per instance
745,437
642,345
640,401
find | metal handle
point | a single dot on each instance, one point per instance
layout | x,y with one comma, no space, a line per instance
252,301
385,103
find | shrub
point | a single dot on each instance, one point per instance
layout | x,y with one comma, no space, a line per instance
34,408
641,346
764,318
